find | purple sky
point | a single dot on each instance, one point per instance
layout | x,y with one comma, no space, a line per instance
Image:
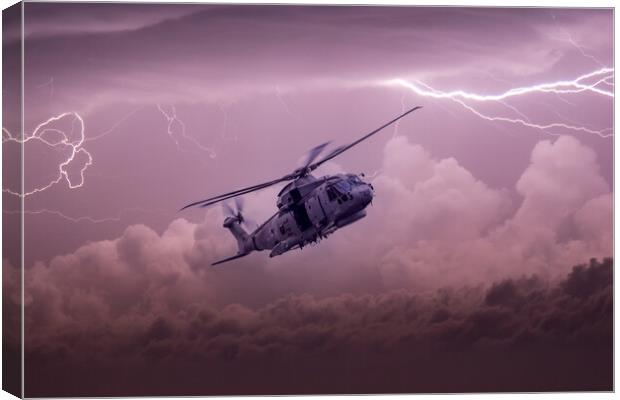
169,104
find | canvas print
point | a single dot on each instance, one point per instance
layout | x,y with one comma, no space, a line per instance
227,199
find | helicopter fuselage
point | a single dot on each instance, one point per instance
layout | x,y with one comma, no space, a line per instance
310,209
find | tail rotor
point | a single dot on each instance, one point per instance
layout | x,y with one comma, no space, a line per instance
237,212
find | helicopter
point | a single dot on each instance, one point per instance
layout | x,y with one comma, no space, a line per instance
309,208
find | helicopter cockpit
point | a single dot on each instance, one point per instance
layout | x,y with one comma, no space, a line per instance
354,179
340,190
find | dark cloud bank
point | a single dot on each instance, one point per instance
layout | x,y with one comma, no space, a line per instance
522,334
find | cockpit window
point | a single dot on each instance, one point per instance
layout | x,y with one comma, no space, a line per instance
354,180
343,186
331,193
339,190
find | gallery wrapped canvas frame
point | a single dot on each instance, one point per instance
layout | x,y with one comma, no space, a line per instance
229,199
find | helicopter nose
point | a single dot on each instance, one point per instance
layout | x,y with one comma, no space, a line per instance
366,194
370,192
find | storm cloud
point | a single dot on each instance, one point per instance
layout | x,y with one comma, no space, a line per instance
347,340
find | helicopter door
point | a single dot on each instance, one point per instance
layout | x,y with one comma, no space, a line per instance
299,211
301,216
315,210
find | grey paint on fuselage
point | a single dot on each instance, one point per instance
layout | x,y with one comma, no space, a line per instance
309,209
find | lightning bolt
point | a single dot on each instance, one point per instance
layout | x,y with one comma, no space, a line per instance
582,50
50,84
280,97
589,82
172,119
224,132
402,110
114,126
75,145
116,218
569,39
54,137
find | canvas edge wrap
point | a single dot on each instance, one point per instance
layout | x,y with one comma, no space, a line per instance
12,203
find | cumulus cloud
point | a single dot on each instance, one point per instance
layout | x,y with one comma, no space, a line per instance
562,176
442,226
432,199
452,228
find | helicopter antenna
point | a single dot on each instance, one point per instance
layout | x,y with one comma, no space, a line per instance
299,172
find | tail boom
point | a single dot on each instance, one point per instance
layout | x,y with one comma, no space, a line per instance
245,244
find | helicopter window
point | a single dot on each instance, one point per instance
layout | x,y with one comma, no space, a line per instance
338,191
354,179
343,186
331,194
334,189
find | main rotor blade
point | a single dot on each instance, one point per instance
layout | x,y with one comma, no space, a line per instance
342,149
239,204
208,202
314,153
335,151
294,175
235,193
228,209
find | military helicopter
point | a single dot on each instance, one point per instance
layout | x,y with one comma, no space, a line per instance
309,208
